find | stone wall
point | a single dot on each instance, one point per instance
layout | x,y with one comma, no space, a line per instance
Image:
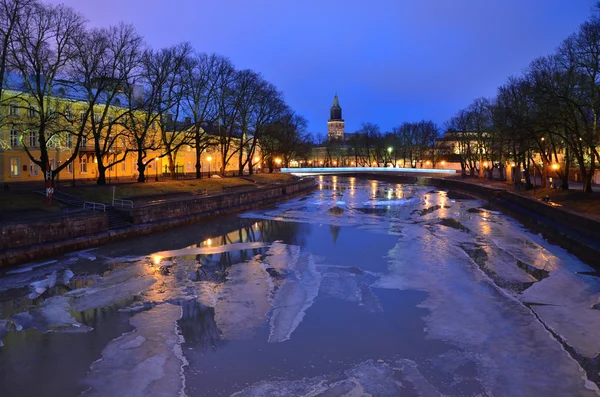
231,200
54,238
52,229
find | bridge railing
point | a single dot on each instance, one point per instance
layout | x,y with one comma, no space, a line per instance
321,170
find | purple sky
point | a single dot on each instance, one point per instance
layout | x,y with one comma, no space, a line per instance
389,60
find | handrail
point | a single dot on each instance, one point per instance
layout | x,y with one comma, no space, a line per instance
122,203
94,206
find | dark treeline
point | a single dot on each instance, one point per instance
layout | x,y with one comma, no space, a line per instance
127,98
544,121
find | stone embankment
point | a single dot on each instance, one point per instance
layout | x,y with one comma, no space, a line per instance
22,242
576,232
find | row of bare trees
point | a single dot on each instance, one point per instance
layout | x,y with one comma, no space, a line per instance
106,87
546,119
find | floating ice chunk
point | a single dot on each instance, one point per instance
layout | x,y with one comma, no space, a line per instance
85,254
121,283
23,321
56,313
370,378
243,301
39,287
152,367
27,267
67,276
293,298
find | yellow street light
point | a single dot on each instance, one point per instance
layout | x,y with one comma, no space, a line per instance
555,166
443,163
209,159
485,164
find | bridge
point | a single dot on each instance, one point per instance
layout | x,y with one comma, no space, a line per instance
414,172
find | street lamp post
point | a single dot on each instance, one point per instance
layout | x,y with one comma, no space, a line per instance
390,154
156,169
209,159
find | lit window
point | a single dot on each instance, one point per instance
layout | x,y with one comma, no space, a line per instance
14,138
83,164
31,112
97,117
69,141
82,117
70,168
15,167
84,141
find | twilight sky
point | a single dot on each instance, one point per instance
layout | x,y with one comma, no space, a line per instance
389,60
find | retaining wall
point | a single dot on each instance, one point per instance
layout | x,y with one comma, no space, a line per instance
14,235
147,219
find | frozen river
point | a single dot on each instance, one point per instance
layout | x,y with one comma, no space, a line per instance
361,288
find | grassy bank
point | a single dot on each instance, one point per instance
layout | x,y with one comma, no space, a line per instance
15,205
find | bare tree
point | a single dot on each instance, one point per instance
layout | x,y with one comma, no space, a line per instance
202,75
44,42
11,12
105,60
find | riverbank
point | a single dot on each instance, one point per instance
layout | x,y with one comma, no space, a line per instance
22,242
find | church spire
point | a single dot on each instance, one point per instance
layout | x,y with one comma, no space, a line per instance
336,111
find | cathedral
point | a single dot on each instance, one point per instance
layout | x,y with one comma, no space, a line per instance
335,124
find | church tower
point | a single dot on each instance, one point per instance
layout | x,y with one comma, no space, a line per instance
335,125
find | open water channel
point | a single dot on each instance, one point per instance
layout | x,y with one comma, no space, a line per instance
361,288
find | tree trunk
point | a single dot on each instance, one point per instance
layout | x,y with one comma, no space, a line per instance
101,174
141,169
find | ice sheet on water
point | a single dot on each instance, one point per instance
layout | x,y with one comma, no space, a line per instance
39,287
468,310
147,362
371,378
293,297
119,284
243,301
56,313
85,254
30,266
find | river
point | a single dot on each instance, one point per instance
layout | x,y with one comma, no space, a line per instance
361,288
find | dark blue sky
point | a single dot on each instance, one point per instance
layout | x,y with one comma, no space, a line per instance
389,60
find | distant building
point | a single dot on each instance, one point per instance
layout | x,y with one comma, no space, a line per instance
335,124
